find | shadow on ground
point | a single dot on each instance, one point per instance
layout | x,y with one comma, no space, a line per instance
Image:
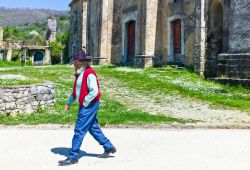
65,151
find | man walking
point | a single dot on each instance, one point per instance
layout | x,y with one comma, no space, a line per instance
86,92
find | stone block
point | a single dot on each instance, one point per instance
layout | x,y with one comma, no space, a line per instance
22,101
8,98
10,106
39,97
2,106
20,106
14,112
33,90
34,103
28,109
18,95
25,93
42,103
42,89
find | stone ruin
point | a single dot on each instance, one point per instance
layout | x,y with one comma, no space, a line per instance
26,99
51,31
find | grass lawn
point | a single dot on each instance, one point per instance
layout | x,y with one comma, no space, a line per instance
165,81
13,64
172,81
111,112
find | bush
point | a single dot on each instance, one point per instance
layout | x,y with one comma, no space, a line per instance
16,55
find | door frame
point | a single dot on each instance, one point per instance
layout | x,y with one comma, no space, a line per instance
127,27
171,37
132,16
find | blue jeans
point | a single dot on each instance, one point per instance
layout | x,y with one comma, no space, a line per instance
87,121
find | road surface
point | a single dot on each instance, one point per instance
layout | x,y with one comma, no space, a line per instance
138,149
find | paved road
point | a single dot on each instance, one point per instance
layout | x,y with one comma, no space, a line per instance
138,149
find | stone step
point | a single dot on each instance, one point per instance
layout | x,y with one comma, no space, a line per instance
239,68
238,56
233,81
233,75
241,62
233,71
234,65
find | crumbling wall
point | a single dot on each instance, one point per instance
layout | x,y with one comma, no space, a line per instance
26,99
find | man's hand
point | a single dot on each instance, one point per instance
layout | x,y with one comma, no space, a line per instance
67,107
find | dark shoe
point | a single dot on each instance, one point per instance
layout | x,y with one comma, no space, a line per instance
107,153
67,162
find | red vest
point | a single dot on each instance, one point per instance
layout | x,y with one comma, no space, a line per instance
84,89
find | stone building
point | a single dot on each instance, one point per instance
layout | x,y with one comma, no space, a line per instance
222,40
141,33
39,54
213,36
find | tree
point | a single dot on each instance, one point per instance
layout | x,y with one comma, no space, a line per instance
57,49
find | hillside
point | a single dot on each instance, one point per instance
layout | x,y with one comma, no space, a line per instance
17,16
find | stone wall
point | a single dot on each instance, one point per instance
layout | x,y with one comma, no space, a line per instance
26,99
185,11
124,11
145,15
239,26
105,25
106,32
94,27
78,26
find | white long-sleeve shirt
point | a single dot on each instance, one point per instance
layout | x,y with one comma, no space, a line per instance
92,86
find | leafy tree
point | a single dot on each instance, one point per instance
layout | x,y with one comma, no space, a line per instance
57,49
37,36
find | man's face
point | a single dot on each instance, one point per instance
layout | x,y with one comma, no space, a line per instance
76,64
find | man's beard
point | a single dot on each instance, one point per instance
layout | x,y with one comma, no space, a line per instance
79,70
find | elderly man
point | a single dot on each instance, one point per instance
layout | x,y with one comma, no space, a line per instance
86,92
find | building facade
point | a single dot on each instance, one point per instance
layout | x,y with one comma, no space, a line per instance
210,35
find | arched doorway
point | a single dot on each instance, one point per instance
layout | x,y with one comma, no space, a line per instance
130,27
38,58
216,26
215,37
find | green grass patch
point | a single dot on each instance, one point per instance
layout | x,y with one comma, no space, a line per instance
163,81
4,64
172,81
111,112
16,82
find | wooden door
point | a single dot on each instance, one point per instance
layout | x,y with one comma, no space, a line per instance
131,41
177,37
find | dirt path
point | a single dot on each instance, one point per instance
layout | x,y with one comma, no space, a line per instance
174,106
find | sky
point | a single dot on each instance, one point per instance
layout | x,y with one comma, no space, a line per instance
47,4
